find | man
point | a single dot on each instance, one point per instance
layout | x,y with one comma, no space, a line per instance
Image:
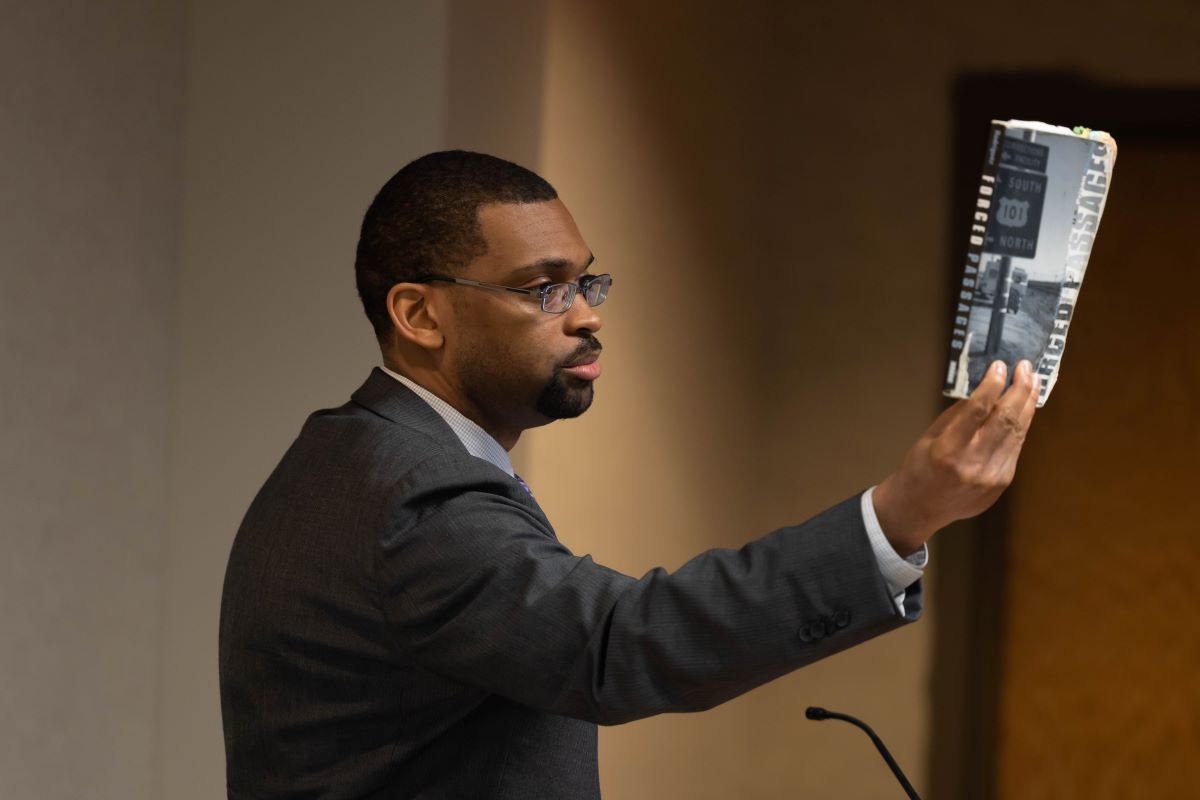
399,619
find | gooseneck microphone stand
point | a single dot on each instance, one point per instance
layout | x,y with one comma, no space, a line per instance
815,713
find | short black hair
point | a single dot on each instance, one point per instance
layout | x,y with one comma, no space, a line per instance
425,221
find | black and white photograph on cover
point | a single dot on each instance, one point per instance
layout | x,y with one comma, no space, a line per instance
1023,267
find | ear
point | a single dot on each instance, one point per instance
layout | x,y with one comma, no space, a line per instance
415,319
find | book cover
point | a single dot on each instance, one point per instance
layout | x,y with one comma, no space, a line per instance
1041,196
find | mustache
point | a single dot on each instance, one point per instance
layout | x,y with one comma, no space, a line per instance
590,346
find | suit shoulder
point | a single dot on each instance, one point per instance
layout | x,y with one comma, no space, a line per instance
355,434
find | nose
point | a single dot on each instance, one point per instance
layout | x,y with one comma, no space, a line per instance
581,317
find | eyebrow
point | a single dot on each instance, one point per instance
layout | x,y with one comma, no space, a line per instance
544,264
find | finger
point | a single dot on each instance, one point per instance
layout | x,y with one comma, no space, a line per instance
1008,421
1011,448
962,429
1027,411
1004,460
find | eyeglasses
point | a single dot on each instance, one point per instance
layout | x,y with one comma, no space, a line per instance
555,297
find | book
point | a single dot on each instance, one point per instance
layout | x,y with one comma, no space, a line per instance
1041,196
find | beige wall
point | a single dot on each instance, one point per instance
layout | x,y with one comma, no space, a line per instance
90,120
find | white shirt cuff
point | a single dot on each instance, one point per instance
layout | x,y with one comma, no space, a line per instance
899,573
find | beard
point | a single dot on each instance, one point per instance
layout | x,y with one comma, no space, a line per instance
563,397
559,400
490,390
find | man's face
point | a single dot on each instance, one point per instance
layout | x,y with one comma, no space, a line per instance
517,365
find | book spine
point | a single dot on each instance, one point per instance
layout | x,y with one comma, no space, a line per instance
956,373
1089,207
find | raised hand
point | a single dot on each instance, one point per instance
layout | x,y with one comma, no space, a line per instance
961,464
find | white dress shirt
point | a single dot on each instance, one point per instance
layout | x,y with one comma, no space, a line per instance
899,573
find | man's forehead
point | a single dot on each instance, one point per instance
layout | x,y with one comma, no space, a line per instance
519,234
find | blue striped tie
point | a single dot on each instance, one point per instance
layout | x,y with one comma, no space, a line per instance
524,485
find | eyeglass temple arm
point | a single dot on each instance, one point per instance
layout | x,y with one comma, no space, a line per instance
480,284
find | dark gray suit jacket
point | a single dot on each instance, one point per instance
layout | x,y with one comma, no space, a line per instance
400,621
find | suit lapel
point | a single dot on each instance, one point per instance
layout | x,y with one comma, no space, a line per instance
389,398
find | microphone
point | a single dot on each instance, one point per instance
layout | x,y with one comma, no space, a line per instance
818,714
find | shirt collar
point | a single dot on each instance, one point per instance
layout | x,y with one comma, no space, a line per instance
477,441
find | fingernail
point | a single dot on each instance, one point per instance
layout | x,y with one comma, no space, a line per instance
1025,367
999,368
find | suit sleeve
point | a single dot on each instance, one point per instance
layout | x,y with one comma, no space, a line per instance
475,586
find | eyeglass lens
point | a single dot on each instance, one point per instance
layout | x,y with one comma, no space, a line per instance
559,296
597,290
